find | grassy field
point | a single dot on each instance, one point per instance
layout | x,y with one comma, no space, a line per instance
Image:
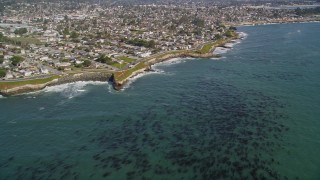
117,65
120,76
208,47
27,40
126,59
9,85
172,52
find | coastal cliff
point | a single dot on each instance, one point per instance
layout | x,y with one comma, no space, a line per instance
90,76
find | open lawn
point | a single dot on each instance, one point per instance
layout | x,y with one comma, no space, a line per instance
126,59
26,40
120,76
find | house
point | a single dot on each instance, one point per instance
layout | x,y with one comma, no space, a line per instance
44,70
27,73
9,75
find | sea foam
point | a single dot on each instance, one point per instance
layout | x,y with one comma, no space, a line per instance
71,90
134,78
68,90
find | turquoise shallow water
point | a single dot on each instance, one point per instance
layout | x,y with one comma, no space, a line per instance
252,114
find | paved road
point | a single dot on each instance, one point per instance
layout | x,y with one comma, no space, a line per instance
29,78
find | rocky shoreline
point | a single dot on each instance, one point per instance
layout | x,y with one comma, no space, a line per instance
90,76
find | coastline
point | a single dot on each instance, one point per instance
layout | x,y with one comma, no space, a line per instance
120,79
31,87
261,23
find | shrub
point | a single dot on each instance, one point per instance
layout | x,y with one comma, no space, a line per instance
3,72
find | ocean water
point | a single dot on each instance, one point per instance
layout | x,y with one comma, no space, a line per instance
253,114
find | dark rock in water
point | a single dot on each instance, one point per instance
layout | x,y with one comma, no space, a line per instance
106,174
11,158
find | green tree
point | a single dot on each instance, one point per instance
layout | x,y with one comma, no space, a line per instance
66,18
198,22
74,35
229,33
15,60
218,36
298,11
1,59
104,59
3,72
66,31
87,63
21,31
152,44
184,19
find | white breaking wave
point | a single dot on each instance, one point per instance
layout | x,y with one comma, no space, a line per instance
68,90
157,70
76,86
71,90
134,78
2,97
220,50
217,58
243,35
170,62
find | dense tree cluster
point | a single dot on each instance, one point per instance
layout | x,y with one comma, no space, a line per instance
21,31
141,42
15,60
74,35
198,22
1,59
104,59
3,72
86,63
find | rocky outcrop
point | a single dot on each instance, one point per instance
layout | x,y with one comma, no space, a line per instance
99,76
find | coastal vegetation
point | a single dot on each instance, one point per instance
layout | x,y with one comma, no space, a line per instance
122,75
8,85
209,46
